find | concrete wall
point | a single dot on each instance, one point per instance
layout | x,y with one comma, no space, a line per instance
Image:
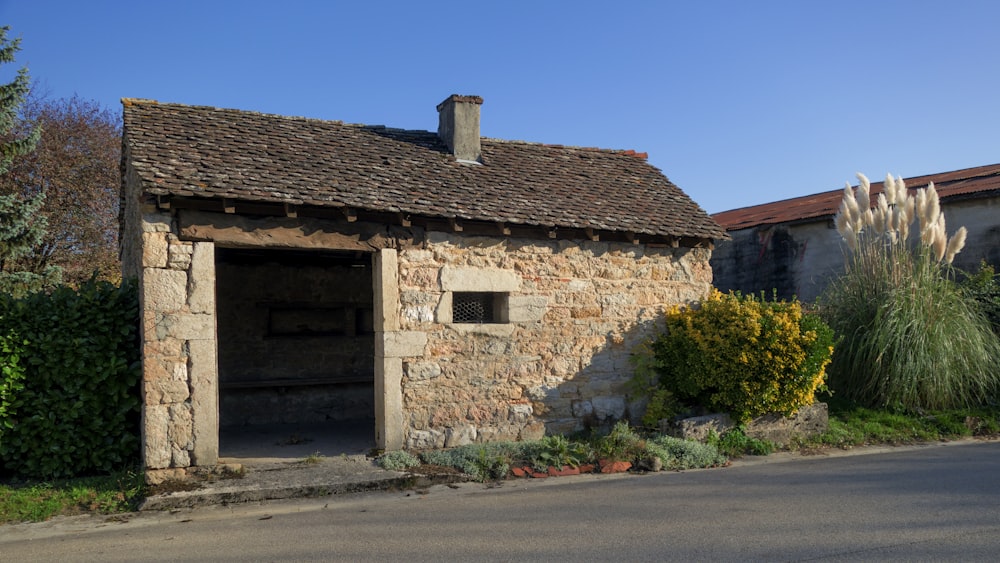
801,259
796,260
981,217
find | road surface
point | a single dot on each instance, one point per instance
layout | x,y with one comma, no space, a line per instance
928,503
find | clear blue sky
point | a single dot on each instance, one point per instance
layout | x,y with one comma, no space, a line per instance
738,102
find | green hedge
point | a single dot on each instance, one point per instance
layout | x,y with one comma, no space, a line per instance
69,398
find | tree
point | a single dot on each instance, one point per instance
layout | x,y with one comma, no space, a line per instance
76,166
12,95
21,225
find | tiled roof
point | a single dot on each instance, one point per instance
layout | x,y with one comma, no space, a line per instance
970,182
195,151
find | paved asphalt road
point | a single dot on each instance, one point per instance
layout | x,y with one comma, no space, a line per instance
937,503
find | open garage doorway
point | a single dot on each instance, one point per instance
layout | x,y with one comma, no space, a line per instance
295,353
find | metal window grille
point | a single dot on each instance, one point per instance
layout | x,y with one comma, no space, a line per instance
473,307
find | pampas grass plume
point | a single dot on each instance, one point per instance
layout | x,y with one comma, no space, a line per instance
939,243
863,195
932,209
852,207
955,245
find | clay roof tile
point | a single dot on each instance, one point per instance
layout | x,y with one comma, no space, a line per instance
182,150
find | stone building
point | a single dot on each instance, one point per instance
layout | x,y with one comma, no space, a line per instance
793,247
445,287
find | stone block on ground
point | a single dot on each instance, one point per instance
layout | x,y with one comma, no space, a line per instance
810,420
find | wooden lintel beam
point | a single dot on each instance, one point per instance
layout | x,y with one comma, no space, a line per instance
591,234
228,205
163,202
404,220
504,229
291,210
350,214
454,225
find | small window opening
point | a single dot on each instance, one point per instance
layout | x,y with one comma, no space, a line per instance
477,308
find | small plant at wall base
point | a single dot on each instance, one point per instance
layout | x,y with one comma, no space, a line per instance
622,443
738,354
736,443
398,460
912,339
558,451
484,462
645,384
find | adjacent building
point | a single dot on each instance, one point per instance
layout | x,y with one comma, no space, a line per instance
792,247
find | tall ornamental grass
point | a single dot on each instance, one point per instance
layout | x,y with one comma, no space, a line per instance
910,337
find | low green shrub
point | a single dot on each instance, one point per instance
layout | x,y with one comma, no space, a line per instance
738,354
736,443
489,462
677,454
77,412
484,462
399,460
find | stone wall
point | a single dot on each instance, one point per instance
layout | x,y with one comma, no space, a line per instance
559,359
179,392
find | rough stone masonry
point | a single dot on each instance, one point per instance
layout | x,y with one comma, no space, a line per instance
574,312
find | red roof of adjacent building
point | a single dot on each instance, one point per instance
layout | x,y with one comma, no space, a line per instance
970,182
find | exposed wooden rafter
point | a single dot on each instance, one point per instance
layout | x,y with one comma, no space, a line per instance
228,205
291,210
351,214
453,222
591,234
504,229
404,219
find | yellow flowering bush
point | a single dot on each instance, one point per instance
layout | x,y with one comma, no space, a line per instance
743,355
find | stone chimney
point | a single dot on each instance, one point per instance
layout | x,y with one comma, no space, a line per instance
458,126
